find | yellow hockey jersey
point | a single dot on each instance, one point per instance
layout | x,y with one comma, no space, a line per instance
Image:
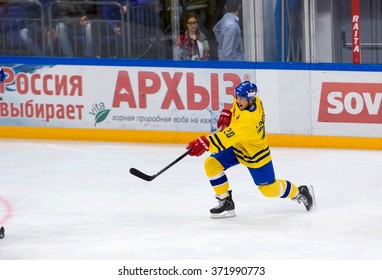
246,134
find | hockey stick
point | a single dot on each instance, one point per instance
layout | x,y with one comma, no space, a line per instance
146,177
149,178
2,233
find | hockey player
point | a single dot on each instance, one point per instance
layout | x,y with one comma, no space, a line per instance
242,140
2,75
2,78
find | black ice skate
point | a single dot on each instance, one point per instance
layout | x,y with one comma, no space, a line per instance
2,233
306,197
225,209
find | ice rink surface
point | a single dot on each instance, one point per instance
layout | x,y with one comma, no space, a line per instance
62,200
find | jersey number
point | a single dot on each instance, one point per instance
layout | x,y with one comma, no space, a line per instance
229,132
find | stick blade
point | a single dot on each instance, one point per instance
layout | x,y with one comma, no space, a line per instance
141,175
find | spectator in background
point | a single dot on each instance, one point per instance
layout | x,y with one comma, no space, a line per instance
76,15
144,15
193,44
115,15
141,18
32,34
228,33
219,11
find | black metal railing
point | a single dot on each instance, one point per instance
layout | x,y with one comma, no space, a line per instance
52,32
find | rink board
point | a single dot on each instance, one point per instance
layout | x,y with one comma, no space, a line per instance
161,137
306,105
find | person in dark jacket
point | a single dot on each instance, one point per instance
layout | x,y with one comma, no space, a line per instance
78,21
34,33
115,15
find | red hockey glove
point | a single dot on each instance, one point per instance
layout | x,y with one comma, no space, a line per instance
198,146
224,119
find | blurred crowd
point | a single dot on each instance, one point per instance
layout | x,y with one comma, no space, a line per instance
77,28
208,29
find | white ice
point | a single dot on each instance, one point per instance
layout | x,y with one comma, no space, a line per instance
63,200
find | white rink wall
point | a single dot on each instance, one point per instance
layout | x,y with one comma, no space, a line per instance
322,102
